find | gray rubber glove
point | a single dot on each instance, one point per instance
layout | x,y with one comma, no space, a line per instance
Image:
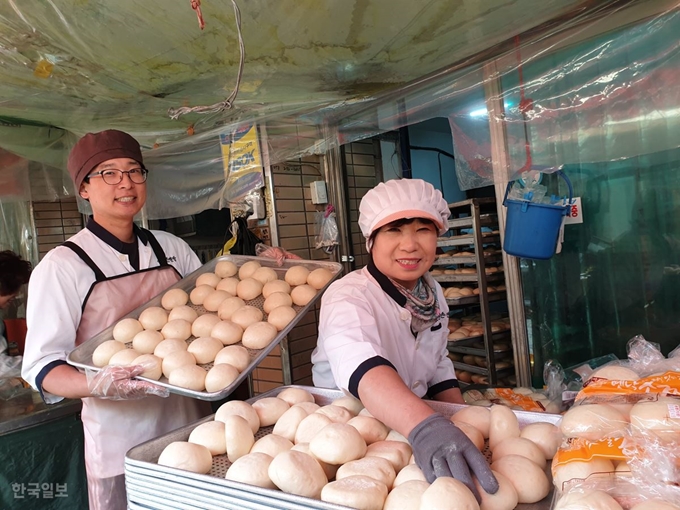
442,449
117,383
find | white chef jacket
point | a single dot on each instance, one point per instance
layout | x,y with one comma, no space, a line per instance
361,326
60,283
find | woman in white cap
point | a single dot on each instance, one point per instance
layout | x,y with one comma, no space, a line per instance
79,288
383,329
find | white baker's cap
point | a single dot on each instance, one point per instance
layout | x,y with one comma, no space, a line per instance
400,199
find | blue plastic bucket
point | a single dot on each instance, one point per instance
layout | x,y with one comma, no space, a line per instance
531,230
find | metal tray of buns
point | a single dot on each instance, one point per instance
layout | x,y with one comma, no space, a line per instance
81,356
149,483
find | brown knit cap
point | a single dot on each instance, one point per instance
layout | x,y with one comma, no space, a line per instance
95,148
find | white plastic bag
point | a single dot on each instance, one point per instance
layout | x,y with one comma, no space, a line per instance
326,230
10,366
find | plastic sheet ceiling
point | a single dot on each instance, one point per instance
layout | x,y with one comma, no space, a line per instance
87,65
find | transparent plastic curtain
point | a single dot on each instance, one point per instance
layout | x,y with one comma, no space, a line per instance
16,224
186,176
577,99
129,82
16,232
46,148
608,111
90,66
458,93
214,170
613,97
86,66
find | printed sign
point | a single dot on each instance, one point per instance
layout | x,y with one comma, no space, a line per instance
242,162
575,214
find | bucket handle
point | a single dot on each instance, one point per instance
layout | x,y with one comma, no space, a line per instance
560,173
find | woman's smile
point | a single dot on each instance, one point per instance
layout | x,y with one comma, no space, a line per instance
409,264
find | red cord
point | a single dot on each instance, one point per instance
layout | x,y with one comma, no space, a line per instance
196,6
525,105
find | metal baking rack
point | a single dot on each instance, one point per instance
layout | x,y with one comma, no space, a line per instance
81,356
164,488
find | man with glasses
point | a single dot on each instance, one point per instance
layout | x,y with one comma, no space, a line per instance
83,286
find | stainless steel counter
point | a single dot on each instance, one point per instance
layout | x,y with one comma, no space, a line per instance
28,410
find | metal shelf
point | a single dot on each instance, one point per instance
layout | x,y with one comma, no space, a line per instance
467,240
473,214
474,369
466,342
463,259
471,201
461,349
470,368
467,277
484,219
464,240
474,299
450,261
460,223
456,277
465,300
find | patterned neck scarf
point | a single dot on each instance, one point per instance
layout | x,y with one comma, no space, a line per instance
422,303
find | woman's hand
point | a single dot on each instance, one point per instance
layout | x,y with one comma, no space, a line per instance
442,449
439,447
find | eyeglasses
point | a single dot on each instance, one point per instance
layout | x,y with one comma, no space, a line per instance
113,176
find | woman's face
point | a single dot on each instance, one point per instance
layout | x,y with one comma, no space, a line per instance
405,252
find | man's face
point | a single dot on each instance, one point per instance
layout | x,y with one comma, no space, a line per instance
120,201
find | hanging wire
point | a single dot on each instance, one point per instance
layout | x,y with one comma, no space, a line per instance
175,113
525,105
311,164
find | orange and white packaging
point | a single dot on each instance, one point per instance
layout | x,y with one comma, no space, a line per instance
611,492
525,402
578,459
667,383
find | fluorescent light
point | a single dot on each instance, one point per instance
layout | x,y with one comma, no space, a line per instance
646,117
481,112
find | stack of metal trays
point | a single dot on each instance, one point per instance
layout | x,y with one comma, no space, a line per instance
163,488
81,356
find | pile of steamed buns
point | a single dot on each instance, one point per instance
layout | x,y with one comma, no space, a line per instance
203,339
339,453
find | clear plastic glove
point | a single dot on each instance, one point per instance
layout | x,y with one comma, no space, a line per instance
117,383
274,252
442,449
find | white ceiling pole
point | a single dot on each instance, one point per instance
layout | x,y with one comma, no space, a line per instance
513,280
